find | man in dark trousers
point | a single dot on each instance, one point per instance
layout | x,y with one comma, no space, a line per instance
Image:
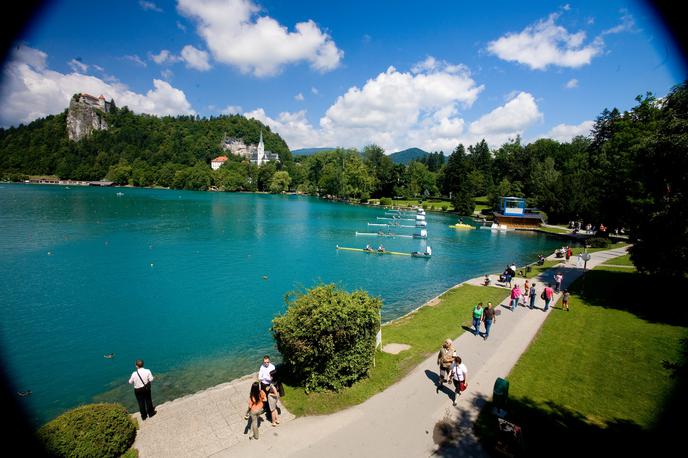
141,378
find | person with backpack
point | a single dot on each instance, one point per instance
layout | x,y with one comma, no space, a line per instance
477,317
445,358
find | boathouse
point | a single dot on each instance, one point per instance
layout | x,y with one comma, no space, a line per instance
514,214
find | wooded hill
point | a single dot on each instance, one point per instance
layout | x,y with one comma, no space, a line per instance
143,141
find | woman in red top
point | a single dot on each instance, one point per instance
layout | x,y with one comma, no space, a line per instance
256,401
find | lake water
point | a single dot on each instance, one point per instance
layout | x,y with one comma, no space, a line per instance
177,278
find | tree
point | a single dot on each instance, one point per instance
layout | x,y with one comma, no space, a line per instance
120,173
456,182
659,205
280,182
327,336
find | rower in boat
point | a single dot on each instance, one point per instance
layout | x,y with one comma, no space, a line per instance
368,248
381,249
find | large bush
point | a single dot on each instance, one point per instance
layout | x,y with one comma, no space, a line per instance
94,430
327,336
598,242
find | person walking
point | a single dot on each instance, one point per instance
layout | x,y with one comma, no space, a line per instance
515,296
547,295
459,375
264,376
488,318
558,278
256,404
141,378
565,300
477,317
445,358
532,296
569,253
273,397
526,291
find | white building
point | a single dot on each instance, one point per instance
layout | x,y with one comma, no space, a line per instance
256,154
217,162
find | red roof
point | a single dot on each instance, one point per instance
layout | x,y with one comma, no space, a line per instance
220,159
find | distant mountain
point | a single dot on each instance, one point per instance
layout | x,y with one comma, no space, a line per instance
309,151
406,156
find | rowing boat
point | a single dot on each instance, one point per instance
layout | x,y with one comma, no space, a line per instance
372,251
421,254
462,226
395,219
386,235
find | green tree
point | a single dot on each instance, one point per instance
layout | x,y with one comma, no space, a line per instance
327,336
456,182
280,182
120,173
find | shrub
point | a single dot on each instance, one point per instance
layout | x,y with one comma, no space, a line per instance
445,207
93,430
598,242
385,201
327,336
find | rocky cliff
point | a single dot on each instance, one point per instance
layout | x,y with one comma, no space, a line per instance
83,118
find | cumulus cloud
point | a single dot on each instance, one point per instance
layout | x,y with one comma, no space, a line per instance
570,84
565,132
395,109
167,74
195,58
31,90
299,97
545,43
236,35
510,119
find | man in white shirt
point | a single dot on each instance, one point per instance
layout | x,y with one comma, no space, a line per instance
141,378
264,373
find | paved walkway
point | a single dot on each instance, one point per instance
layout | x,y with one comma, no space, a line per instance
407,419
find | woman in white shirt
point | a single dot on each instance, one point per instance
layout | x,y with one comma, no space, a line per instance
459,375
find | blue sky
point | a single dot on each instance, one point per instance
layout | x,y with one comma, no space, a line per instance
396,73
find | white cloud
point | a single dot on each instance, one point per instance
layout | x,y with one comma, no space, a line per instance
150,6
165,57
78,66
570,84
299,97
236,35
627,24
509,120
195,58
31,90
315,91
136,59
167,74
232,109
565,132
545,43
394,109
181,26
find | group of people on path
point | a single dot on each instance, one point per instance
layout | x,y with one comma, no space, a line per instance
264,390
452,369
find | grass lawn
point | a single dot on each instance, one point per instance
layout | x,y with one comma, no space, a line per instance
596,374
578,250
554,230
424,331
621,261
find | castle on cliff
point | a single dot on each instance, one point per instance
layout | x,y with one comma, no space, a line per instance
86,114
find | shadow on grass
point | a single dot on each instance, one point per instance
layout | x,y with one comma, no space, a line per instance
645,296
548,429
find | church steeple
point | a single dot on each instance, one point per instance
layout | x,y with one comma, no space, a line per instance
261,151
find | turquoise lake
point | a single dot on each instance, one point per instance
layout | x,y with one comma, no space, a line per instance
177,278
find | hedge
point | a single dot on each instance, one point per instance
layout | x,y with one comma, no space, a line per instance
93,430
